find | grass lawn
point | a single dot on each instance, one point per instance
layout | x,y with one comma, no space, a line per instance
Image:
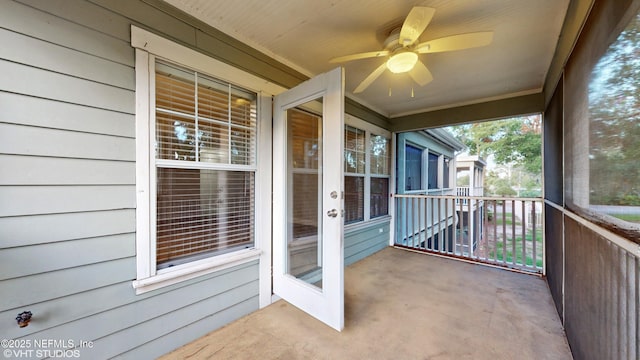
508,219
509,253
634,218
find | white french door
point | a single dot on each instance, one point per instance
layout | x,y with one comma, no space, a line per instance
308,249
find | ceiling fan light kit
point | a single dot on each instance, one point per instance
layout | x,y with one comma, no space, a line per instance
402,62
403,50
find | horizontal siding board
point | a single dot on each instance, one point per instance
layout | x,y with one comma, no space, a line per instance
42,287
191,332
145,331
35,259
41,25
35,200
128,326
365,241
34,170
86,14
42,229
364,244
83,305
27,110
366,252
37,53
30,140
150,17
36,82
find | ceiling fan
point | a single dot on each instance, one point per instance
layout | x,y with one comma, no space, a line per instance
402,49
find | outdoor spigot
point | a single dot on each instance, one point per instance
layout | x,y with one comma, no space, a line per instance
23,318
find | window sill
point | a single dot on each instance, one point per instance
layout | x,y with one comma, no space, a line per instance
174,275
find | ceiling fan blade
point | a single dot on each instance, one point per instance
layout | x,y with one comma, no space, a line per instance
365,55
421,74
371,78
415,23
456,42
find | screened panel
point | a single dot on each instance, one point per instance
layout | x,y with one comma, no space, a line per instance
602,131
202,212
379,155
353,199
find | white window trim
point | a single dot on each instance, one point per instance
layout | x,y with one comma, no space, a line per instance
148,46
369,129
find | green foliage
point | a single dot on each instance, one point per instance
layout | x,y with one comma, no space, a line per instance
511,141
501,187
614,127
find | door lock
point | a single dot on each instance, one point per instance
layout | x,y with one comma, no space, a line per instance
332,213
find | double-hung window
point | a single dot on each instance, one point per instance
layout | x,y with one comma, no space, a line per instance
204,140
197,172
367,169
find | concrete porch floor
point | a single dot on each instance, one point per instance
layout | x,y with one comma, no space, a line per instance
405,305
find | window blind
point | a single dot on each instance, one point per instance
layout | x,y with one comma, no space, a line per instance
205,138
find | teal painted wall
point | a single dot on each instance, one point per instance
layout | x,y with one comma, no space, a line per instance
365,240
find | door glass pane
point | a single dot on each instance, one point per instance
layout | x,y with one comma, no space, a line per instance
304,197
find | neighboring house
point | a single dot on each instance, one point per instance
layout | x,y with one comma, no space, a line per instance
473,212
426,166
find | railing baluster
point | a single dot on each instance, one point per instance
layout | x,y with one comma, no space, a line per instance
524,235
434,244
415,232
426,227
440,245
504,232
406,220
533,236
446,225
514,257
418,216
456,220
469,227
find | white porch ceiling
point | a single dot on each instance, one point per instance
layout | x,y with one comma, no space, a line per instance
306,34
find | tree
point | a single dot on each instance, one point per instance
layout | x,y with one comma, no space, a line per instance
511,141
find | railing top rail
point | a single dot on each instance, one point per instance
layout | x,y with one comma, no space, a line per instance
540,199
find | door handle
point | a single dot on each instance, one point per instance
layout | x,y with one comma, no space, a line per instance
332,213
